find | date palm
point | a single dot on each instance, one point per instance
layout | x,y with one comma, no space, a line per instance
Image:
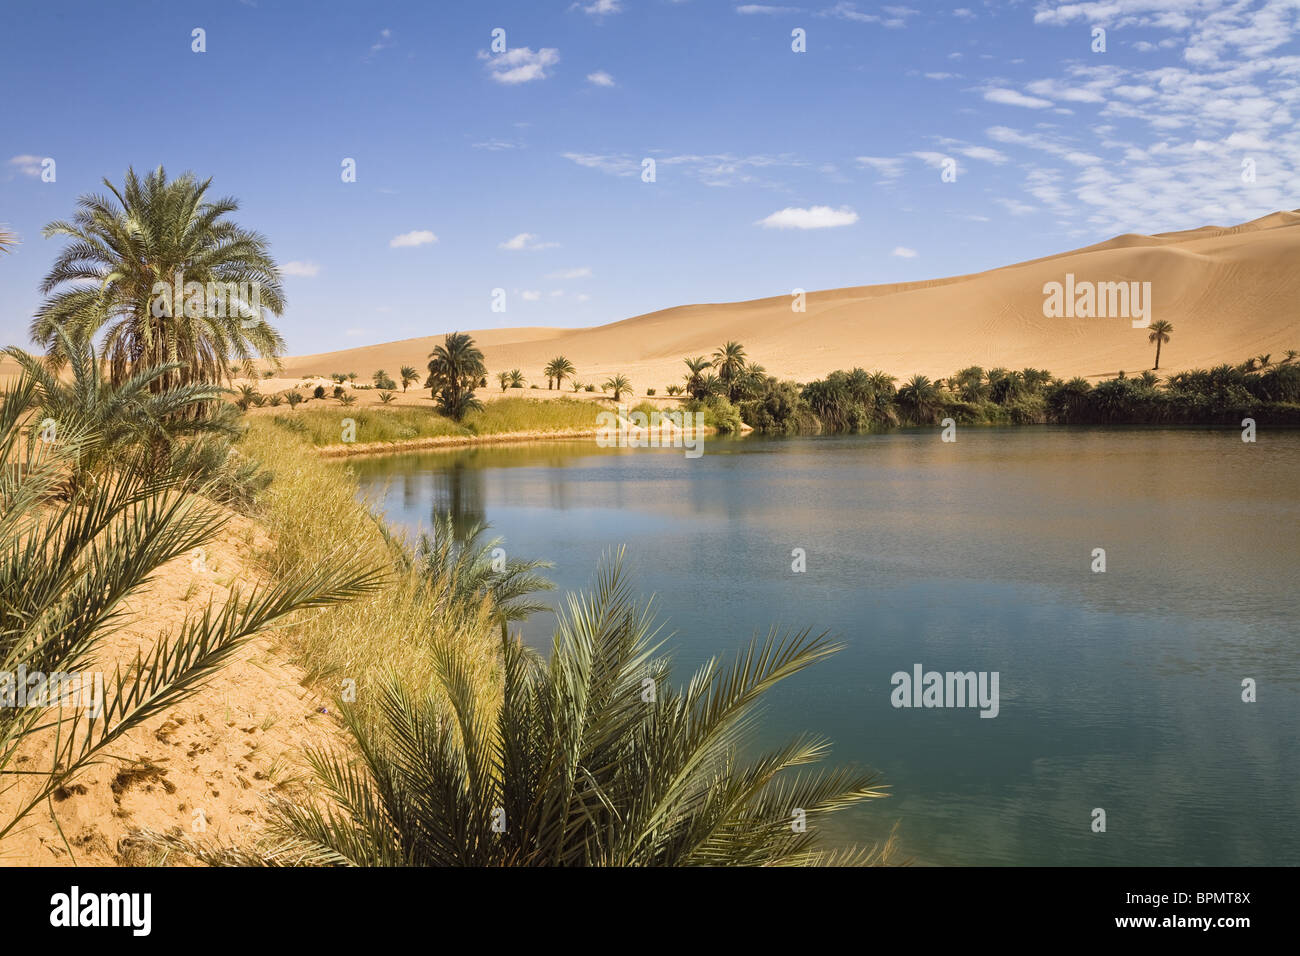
695,375
121,416
455,369
73,570
559,369
729,360
517,379
589,758
619,384
919,397
147,233
1159,334
409,376
7,239
504,379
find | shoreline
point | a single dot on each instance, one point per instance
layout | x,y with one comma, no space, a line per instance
440,442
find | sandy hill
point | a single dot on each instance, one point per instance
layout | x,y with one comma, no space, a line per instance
1230,292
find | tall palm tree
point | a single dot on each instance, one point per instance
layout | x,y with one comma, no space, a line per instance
559,369
591,758
695,374
1160,330
504,379
72,568
126,248
409,376
729,360
455,369
919,397
619,383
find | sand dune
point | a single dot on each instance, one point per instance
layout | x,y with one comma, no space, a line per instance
1230,292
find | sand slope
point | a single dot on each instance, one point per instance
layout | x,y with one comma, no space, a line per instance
1230,293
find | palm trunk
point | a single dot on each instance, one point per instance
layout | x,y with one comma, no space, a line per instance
1157,368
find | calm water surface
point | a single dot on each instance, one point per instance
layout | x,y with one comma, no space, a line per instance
1119,690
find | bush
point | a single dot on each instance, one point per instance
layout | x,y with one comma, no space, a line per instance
318,391
589,388
649,391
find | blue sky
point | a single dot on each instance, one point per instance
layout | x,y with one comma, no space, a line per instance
774,169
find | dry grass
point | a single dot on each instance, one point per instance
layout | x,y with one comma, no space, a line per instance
311,513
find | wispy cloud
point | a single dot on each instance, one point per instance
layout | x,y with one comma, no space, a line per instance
27,164
1015,98
418,237
750,9
384,42
599,8
582,272
889,168
903,252
525,240
302,269
520,65
600,78
814,217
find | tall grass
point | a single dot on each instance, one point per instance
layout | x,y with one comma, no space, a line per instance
324,425
310,511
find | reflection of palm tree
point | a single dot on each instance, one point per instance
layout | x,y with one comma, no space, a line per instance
460,497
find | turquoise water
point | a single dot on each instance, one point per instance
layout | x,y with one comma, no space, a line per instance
1118,690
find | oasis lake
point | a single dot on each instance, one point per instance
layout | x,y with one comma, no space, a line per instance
1120,690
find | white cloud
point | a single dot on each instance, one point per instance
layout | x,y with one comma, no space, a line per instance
986,153
418,237
583,297
1013,98
1015,206
384,41
525,240
600,8
903,252
815,217
303,269
888,167
600,78
520,65
582,272
27,164
753,8
530,295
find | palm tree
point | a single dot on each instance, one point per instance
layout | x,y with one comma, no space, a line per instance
459,561
1159,334
71,569
455,368
558,369
517,379
409,376
1265,361
730,362
695,376
123,416
504,379
619,383
919,396
7,239
126,249
590,758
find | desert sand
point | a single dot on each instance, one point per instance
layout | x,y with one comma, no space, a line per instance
1231,293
